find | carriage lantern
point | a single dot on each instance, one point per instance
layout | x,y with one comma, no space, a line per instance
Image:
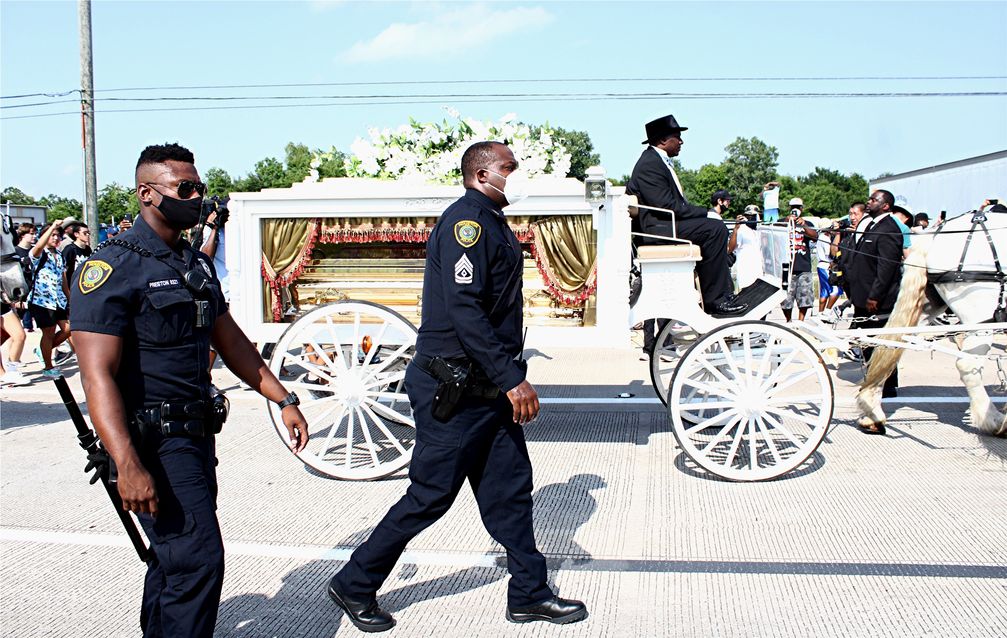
595,185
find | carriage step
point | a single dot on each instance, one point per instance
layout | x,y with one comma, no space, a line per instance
758,299
756,293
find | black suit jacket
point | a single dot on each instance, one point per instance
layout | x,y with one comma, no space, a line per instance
651,182
874,271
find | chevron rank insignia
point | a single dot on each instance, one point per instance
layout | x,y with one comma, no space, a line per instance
95,273
467,233
464,270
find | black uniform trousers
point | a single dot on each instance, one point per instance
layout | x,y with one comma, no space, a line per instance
892,382
480,443
181,591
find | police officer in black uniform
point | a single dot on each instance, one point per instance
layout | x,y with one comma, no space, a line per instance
470,399
146,308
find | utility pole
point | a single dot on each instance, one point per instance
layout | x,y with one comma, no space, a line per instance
87,119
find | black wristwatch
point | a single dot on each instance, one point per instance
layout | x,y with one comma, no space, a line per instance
290,399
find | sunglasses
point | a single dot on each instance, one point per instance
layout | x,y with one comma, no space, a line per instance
185,188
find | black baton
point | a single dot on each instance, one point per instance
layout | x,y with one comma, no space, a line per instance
89,441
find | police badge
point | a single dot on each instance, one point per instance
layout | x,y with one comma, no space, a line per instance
467,233
93,275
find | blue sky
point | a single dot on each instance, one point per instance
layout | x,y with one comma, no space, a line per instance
170,44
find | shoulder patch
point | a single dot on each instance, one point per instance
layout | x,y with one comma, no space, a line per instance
467,233
95,273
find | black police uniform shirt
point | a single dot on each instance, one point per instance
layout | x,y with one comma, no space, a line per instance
144,300
472,301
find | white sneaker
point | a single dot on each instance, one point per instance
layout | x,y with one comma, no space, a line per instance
14,377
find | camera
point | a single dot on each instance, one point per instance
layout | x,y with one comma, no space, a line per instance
216,205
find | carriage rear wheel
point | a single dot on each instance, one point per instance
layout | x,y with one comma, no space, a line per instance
671,342
750,401
347,362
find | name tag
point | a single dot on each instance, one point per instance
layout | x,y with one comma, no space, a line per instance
163,283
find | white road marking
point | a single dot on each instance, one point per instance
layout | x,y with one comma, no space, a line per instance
842,401
238,548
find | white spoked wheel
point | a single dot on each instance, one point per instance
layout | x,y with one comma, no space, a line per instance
669,345
347,362
751,401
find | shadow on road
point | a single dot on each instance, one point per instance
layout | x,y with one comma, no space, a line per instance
302,607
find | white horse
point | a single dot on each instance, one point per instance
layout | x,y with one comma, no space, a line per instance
972,301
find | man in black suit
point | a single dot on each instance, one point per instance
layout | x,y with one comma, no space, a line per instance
655,183
874,272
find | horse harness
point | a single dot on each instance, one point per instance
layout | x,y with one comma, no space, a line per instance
960,275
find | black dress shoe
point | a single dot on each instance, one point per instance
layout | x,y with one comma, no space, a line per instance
555,610
729,307
366,616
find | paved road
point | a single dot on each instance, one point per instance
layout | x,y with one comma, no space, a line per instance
896,536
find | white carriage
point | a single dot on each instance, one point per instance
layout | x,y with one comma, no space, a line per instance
748,399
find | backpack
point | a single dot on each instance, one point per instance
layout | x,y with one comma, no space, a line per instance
13,280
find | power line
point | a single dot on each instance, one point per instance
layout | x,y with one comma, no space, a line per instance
21,106
872,78
63,94
520,98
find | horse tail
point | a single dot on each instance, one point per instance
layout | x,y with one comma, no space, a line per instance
906,313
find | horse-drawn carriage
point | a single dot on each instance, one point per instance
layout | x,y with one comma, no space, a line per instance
748,399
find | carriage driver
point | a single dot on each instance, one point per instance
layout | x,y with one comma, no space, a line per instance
655,183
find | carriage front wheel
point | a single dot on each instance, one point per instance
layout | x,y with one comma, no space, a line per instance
347,362
750,401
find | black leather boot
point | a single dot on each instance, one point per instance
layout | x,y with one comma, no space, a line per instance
555,610
366,616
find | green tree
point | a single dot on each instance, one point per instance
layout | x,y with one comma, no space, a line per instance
271,173
61,207
218,182
15,195
115,201
580,147
749,164
331,163
823,199
298,162
709,179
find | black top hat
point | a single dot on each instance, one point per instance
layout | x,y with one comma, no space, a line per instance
661,128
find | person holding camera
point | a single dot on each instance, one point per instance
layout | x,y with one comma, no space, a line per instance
145,308
214,246
771,202
47,300
801,292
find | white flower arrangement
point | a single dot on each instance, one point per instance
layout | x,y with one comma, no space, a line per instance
433,151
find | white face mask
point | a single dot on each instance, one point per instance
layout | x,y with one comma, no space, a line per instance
515,186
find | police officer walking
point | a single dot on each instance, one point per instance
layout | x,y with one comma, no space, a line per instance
146,308
470,399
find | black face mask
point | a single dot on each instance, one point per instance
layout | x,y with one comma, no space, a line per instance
181,214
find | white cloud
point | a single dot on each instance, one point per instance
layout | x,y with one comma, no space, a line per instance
448,33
